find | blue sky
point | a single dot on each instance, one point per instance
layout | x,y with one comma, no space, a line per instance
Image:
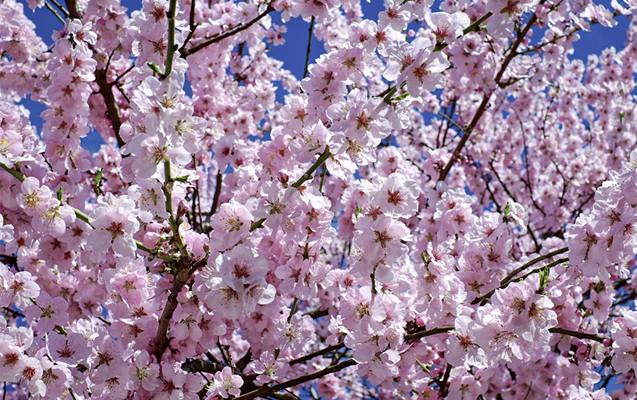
296,38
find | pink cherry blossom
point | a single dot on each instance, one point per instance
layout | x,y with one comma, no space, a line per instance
436,201
225,384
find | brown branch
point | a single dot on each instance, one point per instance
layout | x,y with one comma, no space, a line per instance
418,334
538,270
317,353
263,391
199,365
309,47
579,335
184,272
187,52
100,78
467,132
215,199
122,75
444,388
268,390
106,90
73,10
161,338
534,261
192,25
505,282
485,98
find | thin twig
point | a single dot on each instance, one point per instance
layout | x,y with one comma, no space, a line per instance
576,334
54,12
59,6
267,390
309,46
187,52
505,282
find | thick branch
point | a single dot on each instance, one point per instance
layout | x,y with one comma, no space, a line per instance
106,90
215,199
73,10
184,272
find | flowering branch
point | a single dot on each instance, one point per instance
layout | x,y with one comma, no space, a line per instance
184,272
80,214
187,52
168,182
486,97
534,261
322,158
471,28
505,282
538,270
267,390
106,90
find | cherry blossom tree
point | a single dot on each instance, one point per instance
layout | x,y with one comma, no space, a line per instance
443,206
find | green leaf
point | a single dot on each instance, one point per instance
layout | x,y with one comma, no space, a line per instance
61,330
400,97
544,278
97,182
392,92
154,67
425,258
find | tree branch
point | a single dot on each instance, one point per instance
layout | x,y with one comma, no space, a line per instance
267,390
323,157
505,282
579,335
187,52
106,90
170,53
418,334
309,47
73,10
485,98
184,272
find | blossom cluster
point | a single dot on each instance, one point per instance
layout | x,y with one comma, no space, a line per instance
441,206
